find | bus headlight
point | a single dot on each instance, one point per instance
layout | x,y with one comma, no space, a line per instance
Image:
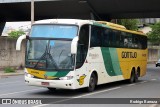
28,75
66,78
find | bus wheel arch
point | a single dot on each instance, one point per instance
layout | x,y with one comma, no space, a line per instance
93,80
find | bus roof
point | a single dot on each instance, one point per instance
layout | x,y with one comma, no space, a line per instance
119,27
65,21
80,22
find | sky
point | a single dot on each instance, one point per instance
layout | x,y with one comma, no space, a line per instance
17,25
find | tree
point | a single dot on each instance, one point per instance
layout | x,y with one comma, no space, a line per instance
131,24
154,35
15,34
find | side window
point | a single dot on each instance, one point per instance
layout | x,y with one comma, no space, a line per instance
125,39
82,48
112,38
106,36
117,38
139,41
135,41
121,39
84,35
130,40
96,36
144,42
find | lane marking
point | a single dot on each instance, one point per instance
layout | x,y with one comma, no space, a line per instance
153,79
111,89
143,82
137,83
78,96
9,82
18,92
131,84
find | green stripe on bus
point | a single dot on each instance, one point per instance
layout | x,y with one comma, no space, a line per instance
53,73
107,61
115,61
57,73
111,61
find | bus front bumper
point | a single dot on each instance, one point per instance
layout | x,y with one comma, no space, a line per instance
64,84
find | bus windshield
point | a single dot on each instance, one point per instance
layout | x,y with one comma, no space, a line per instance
49,54
49,47
54,31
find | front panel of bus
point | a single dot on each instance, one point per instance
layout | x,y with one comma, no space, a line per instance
48,55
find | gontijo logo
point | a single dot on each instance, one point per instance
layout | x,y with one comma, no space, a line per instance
129,54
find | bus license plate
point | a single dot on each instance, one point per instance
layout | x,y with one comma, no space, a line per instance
45,83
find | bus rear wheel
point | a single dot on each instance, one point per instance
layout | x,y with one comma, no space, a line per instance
92,83
137,74
133,77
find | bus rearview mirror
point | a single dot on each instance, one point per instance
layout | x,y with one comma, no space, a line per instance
19,41
74,45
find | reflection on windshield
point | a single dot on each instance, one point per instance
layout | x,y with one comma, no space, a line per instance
49,54
54,31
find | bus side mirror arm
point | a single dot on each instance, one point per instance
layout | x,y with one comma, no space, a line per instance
19,41
74,45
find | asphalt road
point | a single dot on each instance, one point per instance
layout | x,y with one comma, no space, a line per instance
147,87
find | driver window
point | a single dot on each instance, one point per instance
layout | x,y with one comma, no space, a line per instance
82,48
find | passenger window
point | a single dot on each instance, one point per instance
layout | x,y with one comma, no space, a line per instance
96,36
106,37
125,39
129,40
105,40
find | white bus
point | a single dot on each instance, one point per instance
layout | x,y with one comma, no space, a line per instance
73,54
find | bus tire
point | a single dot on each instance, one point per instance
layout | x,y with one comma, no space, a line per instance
136,77
137,74
51,89
132,77
92,83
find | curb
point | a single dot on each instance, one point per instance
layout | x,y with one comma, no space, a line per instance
11,74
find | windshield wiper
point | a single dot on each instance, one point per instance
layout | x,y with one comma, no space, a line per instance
46,55
49,56
43,55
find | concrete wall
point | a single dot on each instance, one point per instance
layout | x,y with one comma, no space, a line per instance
8,54
153,52
153,55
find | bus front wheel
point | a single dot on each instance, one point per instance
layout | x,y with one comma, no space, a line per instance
92,83
51,89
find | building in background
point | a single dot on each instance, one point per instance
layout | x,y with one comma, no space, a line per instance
12,26
147,21
153,49
7,30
